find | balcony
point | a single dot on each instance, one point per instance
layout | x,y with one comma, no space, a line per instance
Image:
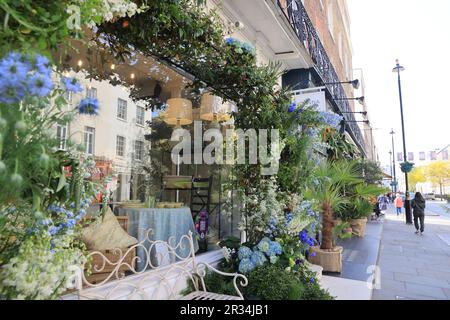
298,18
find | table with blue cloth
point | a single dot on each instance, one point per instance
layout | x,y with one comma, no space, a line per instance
165,223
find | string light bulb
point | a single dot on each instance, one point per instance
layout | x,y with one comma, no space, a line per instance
132,76
113,66
80,63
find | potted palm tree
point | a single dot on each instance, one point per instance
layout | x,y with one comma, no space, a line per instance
330,179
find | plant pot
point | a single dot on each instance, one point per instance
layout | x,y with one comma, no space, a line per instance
329,260
359,226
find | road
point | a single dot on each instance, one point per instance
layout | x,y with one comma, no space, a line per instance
438,208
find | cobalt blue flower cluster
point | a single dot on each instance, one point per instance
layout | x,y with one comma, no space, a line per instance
24,75
305,238
89,106
265,250
245,46
331,119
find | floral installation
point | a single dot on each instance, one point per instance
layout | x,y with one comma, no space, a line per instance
331,119
241,47
266,251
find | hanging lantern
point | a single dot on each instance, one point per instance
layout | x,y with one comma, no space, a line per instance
210,109
179,112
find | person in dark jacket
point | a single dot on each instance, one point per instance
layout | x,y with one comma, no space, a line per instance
418,205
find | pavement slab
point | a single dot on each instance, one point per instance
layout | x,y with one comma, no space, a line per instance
414,267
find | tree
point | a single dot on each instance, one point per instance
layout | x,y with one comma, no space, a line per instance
417,175
439,173
370,171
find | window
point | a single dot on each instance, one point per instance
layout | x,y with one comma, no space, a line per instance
445,155
138,150
91,92
410,156
120,146
140,116
122,109
422,156
61,135
400,156
89,140
433,155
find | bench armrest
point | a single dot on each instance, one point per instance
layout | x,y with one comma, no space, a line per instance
202,268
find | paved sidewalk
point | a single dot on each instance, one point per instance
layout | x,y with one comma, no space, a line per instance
414,267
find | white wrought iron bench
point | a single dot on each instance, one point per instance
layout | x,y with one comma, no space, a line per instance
165,274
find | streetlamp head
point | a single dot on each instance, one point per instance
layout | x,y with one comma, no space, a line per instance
392,132
361,100
398,67
355,83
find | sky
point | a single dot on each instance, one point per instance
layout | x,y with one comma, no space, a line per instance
418,34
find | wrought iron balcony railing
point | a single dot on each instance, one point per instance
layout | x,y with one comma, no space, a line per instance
297,16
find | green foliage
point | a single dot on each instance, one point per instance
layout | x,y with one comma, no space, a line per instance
369,171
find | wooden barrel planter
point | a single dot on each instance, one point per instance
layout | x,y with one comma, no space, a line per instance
329,260
359,226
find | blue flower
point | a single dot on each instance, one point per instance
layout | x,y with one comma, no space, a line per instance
289,218
14,69
231,41
292,108
312,254
258,258
312,280
69,214
331,119
246,266
248,47
10,92
244,253
275,249
40,85
89,106
299,262
53,230
72,84
46,222
70,223
264,245
42,64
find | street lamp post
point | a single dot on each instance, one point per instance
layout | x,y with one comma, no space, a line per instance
392,174
398,68
393,162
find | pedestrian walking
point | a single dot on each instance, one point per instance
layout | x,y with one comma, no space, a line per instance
418,205
398,204
383,203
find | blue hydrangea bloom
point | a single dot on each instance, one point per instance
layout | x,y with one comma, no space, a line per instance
331,119
258,258
89,106
275,249
246,266
244,253
72,84
264,246
231,41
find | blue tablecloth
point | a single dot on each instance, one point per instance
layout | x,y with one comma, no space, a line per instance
165,223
